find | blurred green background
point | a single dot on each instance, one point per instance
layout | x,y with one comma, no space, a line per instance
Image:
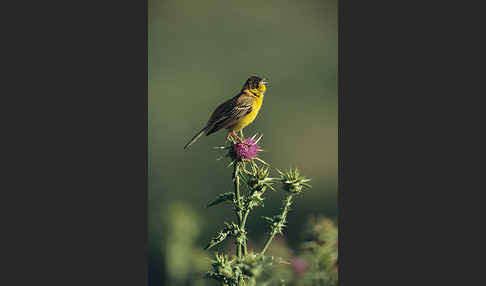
200,54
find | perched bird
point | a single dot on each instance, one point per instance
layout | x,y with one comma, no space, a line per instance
236,113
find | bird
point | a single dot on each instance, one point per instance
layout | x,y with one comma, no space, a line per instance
237,112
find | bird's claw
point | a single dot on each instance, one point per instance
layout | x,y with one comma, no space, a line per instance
234,135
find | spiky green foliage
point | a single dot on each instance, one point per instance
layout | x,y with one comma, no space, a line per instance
230,229
293,182
254,269
250,268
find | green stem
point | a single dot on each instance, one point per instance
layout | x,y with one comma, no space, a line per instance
269,240
243,225
283,218
245,250
236,179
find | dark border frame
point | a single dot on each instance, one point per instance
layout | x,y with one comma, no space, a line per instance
73,145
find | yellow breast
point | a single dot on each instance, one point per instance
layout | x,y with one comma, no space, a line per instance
245,121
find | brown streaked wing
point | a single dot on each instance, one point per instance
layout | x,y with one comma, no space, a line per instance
230,112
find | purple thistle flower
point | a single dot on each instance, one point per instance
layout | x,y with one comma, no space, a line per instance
300,265
247,150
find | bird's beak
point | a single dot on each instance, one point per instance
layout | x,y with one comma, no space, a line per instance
265,81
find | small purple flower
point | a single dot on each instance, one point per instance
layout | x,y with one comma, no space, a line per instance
300,265
247,150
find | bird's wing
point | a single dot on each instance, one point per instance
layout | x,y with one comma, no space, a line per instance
230,112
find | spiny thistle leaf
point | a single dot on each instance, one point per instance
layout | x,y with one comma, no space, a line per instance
229,229
280,172
218,239
268,219
229,196
260,160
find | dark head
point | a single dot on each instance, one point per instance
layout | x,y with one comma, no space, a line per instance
255,82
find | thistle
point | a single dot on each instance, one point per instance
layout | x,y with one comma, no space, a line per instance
245,268
246,150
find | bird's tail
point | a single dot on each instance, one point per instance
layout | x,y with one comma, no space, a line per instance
197,136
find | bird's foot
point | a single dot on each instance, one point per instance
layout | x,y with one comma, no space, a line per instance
235,136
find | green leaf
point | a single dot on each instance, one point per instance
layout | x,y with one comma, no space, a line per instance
268,219
219,238
229,196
